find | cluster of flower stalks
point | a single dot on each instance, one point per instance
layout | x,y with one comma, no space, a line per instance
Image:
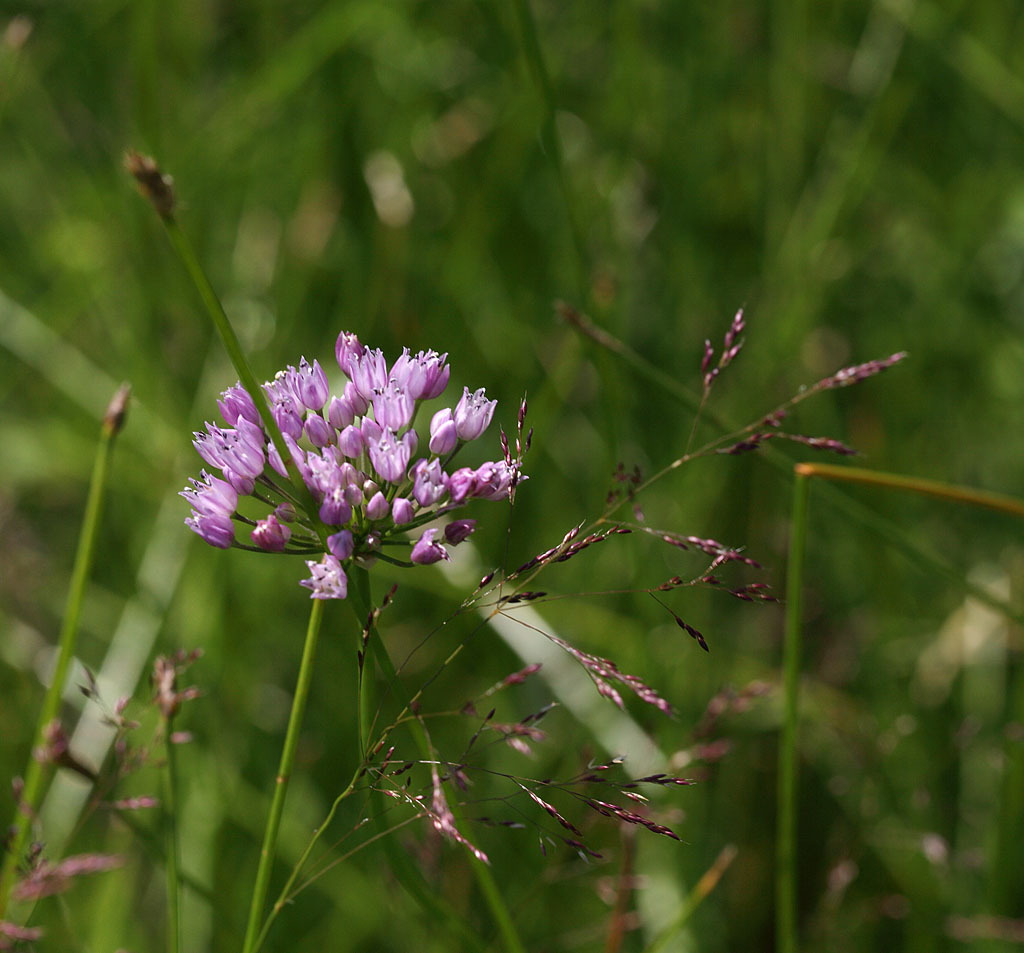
356,455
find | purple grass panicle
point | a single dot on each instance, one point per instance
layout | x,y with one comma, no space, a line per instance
360,459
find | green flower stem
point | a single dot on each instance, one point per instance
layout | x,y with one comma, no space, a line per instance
34,770
896,481
485,879
785,855
216,312
171,846
291,741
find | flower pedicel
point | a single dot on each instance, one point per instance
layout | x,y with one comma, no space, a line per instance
356,454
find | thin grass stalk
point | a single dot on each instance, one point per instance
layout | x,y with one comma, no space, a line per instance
708,881
499,910
853,509
922,487
549,134
786,832
32,791
173,859
291,741
297,870
215,311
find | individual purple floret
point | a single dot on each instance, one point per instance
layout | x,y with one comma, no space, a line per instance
356,455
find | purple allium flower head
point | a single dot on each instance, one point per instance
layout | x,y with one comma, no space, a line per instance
443,436
473,414
342,484
426,551
459,530
271,535
327,580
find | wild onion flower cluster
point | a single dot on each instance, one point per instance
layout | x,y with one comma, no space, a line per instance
356,456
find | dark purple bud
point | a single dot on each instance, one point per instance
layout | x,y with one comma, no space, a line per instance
709,353
443,436
271,535
858,372
426,551
341,544
459,530
285,513
473,414
732,344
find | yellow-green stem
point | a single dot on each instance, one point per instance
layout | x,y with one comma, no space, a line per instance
918,485
291,741
786,833
35,769
173,859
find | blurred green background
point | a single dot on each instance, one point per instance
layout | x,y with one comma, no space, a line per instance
850,172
